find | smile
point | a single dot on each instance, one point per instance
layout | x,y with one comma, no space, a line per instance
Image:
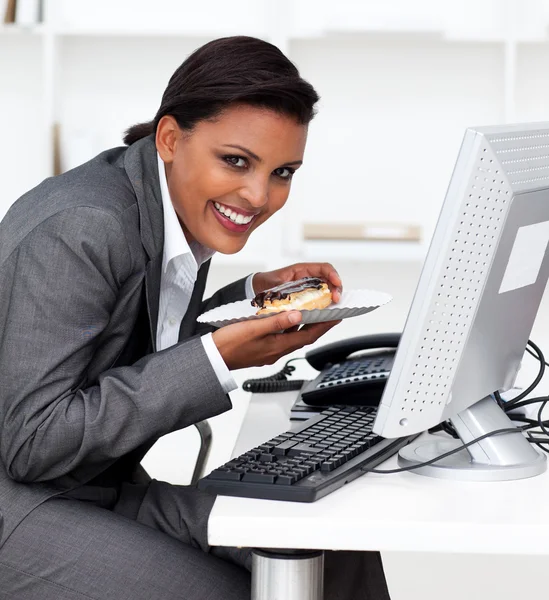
235,217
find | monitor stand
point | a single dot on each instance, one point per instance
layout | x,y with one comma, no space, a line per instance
498,458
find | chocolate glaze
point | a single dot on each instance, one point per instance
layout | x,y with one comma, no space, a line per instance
281,292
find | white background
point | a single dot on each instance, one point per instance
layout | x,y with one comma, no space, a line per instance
399,83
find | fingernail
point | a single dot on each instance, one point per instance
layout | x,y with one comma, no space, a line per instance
294,317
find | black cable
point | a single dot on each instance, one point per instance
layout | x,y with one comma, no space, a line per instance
532,354
518,402
511,404
445,426
499,399
526,403
535,439
539,355
446,454
521,419
278,382
541,423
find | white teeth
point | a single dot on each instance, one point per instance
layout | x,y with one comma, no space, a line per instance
232,215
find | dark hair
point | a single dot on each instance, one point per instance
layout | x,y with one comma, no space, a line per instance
228,71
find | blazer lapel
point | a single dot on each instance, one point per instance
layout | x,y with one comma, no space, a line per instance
140,163
188,324
152,290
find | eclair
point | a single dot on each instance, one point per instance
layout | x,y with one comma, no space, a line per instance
304,294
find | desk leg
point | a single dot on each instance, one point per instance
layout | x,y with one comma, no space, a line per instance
288,574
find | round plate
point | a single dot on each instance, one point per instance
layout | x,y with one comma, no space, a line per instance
352,304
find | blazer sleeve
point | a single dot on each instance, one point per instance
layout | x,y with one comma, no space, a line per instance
59,288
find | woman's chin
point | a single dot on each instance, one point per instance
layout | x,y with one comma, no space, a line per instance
225,246
228,248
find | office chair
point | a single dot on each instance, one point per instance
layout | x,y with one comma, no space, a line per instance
205,432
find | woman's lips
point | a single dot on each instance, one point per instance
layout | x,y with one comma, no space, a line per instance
228,223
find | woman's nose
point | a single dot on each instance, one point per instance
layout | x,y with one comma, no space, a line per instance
256,193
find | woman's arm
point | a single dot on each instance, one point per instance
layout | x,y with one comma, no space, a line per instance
59,290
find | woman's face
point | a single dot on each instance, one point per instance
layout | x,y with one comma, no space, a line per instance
230,175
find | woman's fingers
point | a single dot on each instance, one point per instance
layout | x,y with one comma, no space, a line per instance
334,280
325,271
264,341
308,334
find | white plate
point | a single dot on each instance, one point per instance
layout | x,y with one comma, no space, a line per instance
352,304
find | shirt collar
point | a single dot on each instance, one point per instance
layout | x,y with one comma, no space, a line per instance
175,242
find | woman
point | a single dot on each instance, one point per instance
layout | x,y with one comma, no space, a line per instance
102,272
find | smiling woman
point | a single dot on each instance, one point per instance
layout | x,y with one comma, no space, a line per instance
231,130
221,198
102,273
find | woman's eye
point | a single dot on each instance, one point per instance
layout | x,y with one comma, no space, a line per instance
236,161
284,172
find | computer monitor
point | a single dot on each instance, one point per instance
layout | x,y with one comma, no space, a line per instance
474,308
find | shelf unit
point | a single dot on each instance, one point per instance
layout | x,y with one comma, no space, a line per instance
399,83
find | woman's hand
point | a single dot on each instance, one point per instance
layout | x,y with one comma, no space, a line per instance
263,341
264,281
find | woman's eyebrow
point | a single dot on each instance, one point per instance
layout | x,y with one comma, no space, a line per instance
256,157
245,150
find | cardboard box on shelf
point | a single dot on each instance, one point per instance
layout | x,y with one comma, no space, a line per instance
393,232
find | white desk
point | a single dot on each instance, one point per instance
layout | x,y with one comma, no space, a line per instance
400,512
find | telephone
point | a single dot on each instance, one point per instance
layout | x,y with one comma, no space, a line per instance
347,377
352,371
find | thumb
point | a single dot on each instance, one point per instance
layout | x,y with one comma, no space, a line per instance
279,322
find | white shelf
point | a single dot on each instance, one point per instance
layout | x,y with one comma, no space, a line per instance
14,29
131,33
493,20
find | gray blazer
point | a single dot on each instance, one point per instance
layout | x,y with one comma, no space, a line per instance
83,394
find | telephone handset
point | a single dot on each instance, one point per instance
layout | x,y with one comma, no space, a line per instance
348,379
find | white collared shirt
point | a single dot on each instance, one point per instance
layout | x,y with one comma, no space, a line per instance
180,264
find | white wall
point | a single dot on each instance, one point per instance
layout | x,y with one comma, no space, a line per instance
391,118
532,89
107,84
21,118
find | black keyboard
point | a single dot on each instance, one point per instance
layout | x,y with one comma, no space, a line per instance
309,461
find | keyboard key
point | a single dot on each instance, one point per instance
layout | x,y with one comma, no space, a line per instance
303,448
259,477
286,480
225,475
283,448
328,466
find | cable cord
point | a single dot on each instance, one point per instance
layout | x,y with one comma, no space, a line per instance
278,382
446,454
518,401
539,355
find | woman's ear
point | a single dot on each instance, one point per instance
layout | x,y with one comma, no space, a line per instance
167,135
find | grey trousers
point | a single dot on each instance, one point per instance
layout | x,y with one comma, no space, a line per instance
151,545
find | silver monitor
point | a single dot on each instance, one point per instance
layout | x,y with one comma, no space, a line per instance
474,308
